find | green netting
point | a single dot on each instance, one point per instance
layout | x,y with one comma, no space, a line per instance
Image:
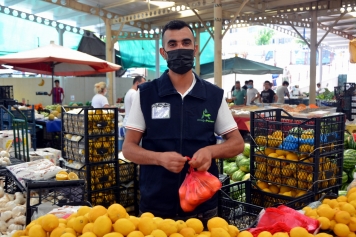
18,35
142,53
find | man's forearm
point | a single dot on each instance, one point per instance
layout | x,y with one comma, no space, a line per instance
233,146
139,155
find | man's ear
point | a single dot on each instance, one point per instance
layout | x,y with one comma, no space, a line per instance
196,50
163,53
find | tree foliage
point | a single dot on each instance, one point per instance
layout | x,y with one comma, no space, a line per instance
264,36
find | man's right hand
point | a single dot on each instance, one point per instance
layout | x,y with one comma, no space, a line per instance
172,161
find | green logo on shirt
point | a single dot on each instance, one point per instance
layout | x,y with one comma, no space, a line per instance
205,117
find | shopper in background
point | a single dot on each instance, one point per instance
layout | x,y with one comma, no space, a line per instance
245,86
239,95
130,95
296,91
57,93
99,100
251,94
282,91
177,116
268,95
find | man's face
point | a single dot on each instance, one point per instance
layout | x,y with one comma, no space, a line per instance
318,86
250,85
267,86
237,86
56,84
177,39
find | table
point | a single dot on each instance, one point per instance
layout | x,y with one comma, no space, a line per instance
294,100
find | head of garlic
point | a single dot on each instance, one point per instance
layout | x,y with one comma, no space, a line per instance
2,192
3,226
18,211
6,215
4,154
19,198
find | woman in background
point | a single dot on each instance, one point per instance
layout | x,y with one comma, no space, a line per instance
99,100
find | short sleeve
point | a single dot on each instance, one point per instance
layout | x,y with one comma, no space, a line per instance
136,120
104,101
225,122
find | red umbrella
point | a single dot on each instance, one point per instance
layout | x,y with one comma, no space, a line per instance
57,60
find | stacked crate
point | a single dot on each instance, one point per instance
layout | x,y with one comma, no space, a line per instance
300,156
346,99
89,141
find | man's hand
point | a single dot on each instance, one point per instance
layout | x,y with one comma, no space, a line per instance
172,161
201,160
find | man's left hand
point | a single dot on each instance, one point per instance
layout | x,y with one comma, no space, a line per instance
201,160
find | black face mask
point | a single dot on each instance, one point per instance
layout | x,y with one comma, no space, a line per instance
180,61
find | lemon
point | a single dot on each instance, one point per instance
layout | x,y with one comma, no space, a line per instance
324,222
102,226
342,217
298,232
136,234
83,210
79,223
339,229
63,172
88,228
352,224
19,233
158,233
116,211
187,232
217,222
233,230
73,176
146,225
69,231
49,222
147,214
168,226
264,234
89,234
245,233
157,220
219,232
323,235
112,235
348,208
176,235
135,220
61,177
68,235
180,225
70,222
95,212
57,232
280,234
206,233
196,224
124,226
37,231
326,212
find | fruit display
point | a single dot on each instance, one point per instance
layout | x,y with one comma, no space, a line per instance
238,168
336,215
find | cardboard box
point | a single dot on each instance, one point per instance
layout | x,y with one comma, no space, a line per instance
7,137
37,155
56,153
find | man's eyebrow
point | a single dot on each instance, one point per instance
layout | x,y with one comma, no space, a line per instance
174,41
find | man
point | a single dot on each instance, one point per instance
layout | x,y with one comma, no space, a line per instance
177,116
268,95
130,95
57,93
286,75
252,94
296,91
239,95
245,86
282,91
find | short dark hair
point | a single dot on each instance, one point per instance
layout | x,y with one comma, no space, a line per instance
268,82
55,81
137,79
318,84
175,25
246,82
285,83
237,82
250,81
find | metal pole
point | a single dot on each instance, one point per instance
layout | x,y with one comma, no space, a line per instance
157,74
320,64
109,57
60,36
197,54
217,43
313,48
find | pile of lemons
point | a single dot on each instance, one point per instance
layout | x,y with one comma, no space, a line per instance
338,215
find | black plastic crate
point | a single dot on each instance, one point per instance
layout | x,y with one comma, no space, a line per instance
127,196
238,191
11,184
29,113
219,163
268,199
97,176
6,92
276,128
307,173
103,197
224,179
69,192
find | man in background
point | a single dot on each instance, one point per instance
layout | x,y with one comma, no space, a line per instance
282,91
245,86
57,93
130,95
252,94
239,95
268,95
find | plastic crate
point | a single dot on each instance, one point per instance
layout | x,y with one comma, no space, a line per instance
6,92
238,191
97,176
59,193
220,165
29,113
267,199
224,179
309,173
127,196
103,197
276,128
11,184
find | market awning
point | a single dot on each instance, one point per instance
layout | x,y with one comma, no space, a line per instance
239,65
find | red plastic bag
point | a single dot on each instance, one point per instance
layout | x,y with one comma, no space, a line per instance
283,219
197,187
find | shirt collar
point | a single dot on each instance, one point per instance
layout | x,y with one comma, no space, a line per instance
165,87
